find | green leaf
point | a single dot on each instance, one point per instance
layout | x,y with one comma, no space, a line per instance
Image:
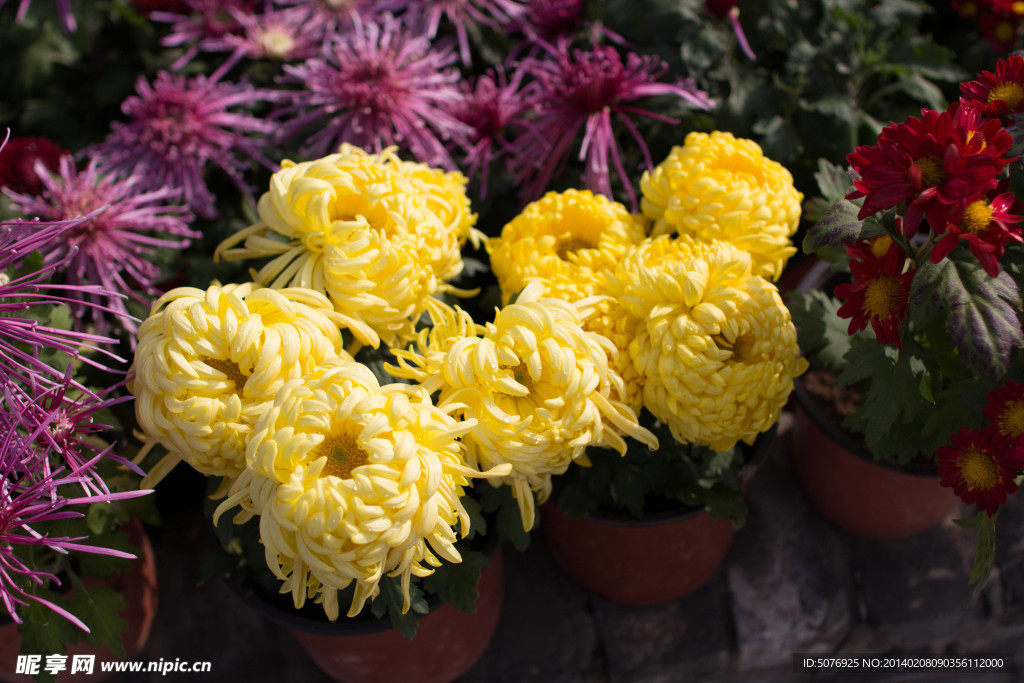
391,595
456,584
100,608
629,489
508,521
983,312
840,226
821,333
984,550
892,397
833,181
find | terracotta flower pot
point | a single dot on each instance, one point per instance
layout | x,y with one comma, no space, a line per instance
656,559
139,587
448,642
867,498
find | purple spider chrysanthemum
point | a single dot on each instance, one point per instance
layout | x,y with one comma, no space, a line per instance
500,15
334,17
115,247
176,126
67,18
584,89
375,87
552,20
72,435
492,103
30,498
289,34
29,294
204,27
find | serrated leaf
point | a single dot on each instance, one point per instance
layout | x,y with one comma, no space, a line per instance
1016,131
893,392
839,226
391,595
628,490
833,181
100,608
983,318
821,333
984,551
456,584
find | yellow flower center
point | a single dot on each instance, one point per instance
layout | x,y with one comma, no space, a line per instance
570,245
521,374
277,43
1017,8
1011,422
977,217
1009,92
883,295
931,171
231,369
880,246
1005,32
342,452
979,470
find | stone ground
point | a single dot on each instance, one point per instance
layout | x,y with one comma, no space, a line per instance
792,583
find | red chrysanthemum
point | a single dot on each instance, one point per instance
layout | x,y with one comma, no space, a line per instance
997,94
931,163
879,291
987,224
999,28
1006,410
17,163
980,467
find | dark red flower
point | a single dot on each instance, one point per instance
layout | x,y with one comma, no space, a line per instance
1006,410
987,224
930,163
879,291
997,94
999,29
17,162
980,467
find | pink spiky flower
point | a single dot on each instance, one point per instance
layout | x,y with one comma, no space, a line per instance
427,15
583,91
115,248
30,498
176,127
377,86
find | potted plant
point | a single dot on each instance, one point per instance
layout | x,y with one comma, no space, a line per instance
700,338
929,235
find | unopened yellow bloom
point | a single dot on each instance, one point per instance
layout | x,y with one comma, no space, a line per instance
376,235
353,481
536,383
719,187
208,364
715,345
569,240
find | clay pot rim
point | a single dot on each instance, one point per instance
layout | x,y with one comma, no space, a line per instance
617,517
254,598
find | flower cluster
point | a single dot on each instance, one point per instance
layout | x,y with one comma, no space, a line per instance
998,20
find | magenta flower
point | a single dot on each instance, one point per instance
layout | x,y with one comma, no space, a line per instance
490,106
114,248
27,296
500,15
176,127
334,17
67,18
203,27
583,91
291,33
552,20
377,86
30,498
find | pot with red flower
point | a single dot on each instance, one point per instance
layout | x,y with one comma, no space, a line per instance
925,325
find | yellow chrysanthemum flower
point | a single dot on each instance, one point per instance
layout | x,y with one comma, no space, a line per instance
536,383
351,481
376,235
569,240
208,364
719,187
715,344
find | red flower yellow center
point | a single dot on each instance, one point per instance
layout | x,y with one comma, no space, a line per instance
883,296
932,173
977,217
342,452
1009,92
1011,422
979,469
